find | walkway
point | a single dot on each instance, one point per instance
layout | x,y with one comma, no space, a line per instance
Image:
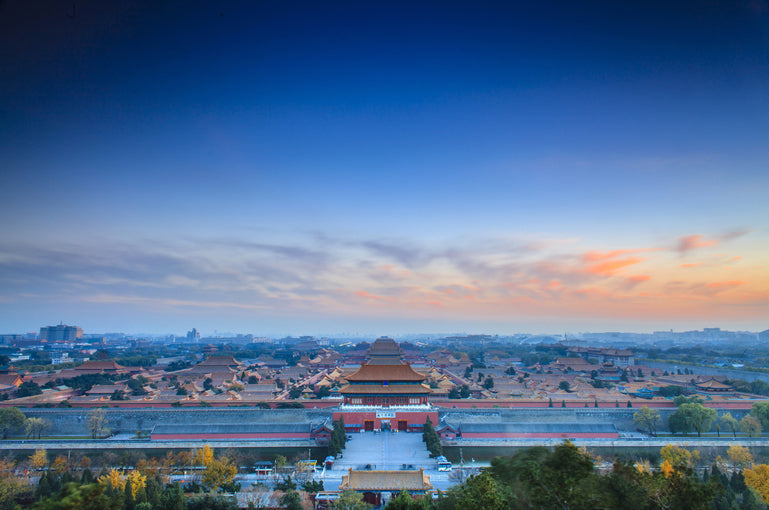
385,450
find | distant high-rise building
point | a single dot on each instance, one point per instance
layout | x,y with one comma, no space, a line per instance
60,333
193,335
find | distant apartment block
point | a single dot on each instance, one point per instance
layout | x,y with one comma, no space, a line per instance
194,335
60,333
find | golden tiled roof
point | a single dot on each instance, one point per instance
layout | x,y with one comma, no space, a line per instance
385,481
368,373
390,389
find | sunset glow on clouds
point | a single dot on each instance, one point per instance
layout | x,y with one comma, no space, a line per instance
523,282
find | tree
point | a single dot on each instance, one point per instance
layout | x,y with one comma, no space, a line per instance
750,426
39,459
172,497
117,395
136,384
295,392
204,456
564,385
683,399
679,457
313,486
647,419
464,391
28,389
291,500
97,423
757,479
692,416
74,496
431,439
488,383
671,391
338,438
730,423
739,456
286,484
350,500
510,371
218,473
761,411
10,419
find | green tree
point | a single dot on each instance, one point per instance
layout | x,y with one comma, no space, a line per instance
647,419
564,385
750,426
729,423
74,496
480,491
431,439
350,500
761,411
172,497
35,427
28,389
291,500
10,419
338,438
692,417
404,501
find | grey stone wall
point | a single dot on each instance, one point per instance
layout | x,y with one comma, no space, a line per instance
75,421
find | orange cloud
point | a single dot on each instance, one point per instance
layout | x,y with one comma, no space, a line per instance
374,297
609,267
632,281
595,256
695,264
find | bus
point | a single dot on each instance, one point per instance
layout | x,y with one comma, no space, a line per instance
443,464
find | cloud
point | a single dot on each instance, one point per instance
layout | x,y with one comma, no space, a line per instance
608,263
366,295
696,241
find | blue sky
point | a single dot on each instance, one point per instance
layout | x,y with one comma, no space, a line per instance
311,167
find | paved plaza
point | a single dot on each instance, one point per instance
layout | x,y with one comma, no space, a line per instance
385,450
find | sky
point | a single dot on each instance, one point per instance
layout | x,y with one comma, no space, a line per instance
286,167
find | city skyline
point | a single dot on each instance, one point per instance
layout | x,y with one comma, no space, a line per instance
306,167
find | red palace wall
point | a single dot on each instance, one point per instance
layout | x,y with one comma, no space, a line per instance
541,435
355,421
276,435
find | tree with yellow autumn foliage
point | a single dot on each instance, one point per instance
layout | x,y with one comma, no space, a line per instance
757,478
114,479
740,456
39,459
679,457
218,473
204,456
138,481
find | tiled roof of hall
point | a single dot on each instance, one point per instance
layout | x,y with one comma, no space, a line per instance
369,373
227,361
386,480
99,365
390,389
